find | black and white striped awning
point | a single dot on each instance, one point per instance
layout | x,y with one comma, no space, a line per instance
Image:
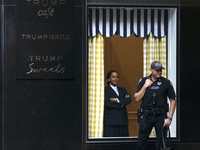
126,21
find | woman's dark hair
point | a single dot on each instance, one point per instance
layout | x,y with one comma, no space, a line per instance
109,74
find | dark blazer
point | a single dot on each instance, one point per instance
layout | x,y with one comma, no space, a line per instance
116,113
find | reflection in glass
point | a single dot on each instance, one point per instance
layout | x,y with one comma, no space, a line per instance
131,56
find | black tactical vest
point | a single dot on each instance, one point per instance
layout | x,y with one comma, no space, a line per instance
155,95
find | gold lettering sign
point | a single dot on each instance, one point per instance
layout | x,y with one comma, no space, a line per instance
44,37
45,2
49,4
45,58
54,69
46,13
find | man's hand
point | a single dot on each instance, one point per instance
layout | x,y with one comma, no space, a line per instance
148,83
167,123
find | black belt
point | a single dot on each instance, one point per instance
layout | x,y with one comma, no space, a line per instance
155,111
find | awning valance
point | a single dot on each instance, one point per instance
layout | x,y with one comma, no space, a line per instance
126,21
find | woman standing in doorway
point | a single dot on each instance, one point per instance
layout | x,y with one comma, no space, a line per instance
115,113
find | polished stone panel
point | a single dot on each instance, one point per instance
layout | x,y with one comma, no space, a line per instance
45,51
45,32
41,114
189,81
47,114
190,2
9,2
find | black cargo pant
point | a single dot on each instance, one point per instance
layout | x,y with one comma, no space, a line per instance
143,136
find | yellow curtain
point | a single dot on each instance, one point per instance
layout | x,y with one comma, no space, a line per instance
154,49
95,86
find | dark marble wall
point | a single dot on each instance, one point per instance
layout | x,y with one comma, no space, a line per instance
1,45
51,114
189,73
40,114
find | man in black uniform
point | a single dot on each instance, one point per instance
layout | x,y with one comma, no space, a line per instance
154,90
